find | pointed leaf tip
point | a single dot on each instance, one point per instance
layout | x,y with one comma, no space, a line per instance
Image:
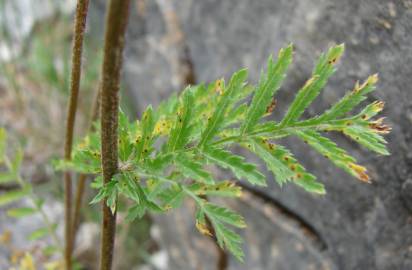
335,53
361,172
373,78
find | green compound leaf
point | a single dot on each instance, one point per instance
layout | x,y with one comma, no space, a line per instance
166,156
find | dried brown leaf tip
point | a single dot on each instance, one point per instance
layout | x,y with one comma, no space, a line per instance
360,172
371,80
373,109
379,127
378,106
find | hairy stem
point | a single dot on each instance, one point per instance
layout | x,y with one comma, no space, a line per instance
116,21
79,27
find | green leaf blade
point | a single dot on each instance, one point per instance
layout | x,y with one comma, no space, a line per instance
15,195
21,212
284,166
367,138
240,168
336,155
268,86
7,177
144,140
40,233
179,135
172,197
323,70
193,169
350,100
224,215
227,238
224,189
215,122
3,140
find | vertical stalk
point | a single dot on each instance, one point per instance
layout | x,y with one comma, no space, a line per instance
79,27
116,21
81,184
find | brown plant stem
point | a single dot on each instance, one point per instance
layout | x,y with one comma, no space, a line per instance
116,21
79,27
81,184
78,200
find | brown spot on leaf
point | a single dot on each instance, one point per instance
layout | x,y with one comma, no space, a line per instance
271,106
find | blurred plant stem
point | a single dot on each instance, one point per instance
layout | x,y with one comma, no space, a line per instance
116,21
81,184
79,27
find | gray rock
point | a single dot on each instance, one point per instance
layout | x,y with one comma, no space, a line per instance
18,17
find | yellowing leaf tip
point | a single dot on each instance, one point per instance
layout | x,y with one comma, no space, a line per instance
203,229
373,78
360,172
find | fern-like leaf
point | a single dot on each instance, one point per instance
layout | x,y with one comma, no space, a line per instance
165,157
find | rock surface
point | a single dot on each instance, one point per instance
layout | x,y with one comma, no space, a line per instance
355,226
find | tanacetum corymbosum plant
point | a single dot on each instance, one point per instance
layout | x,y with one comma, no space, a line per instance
167,155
